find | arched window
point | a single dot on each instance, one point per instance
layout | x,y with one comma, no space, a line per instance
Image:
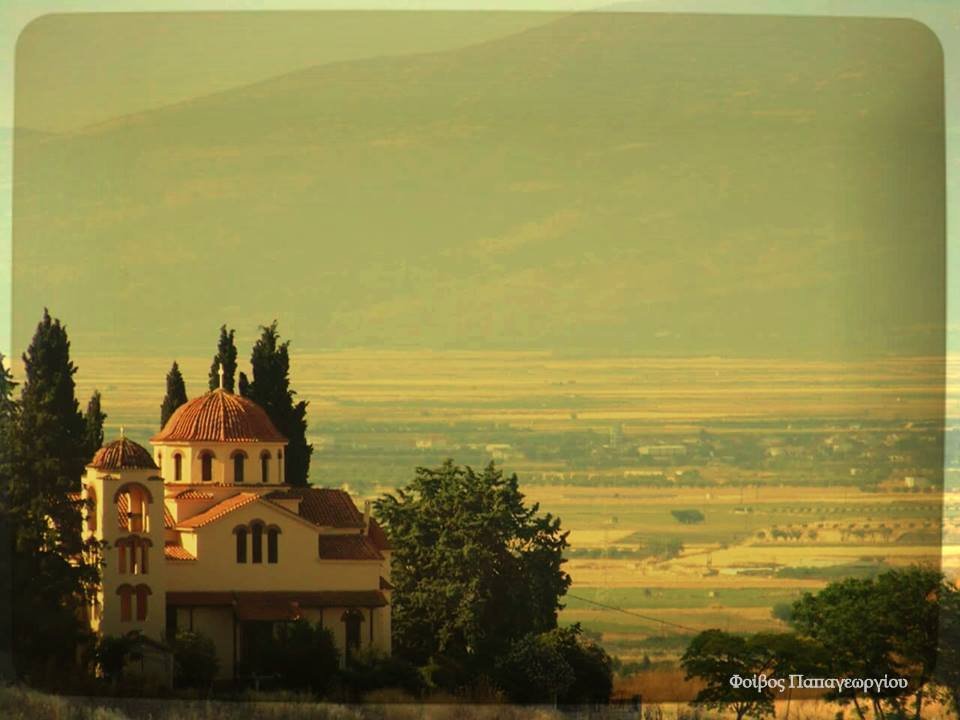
122,557
178,467
273,542
144,551
206,466
264,466
239,460
241,533
133,507
280,469
256,540
126,605
142,591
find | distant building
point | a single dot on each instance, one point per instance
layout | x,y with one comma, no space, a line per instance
662,451
204,534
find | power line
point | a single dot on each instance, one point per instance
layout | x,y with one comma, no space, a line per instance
648,618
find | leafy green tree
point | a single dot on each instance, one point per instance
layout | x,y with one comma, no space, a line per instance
195,661
592,667
93,425
54,571
534,670
714,657
474,567
270,389
875,627
176,394
226,356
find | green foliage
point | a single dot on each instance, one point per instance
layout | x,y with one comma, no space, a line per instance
714,657
592,667
53,571
111,654
304,656
93,425
226,356
688,517
270,389
176,394
535,671
195,661
474,567
369,671
883,626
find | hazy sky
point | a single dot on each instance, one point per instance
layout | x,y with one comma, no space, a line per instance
622,183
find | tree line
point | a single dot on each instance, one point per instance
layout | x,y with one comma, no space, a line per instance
902,626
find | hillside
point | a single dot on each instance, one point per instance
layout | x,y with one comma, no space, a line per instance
634,183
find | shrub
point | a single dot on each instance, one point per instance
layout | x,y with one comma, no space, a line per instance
195,661
370,671
302,655
688,517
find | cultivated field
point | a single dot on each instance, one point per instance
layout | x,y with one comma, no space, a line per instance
803,472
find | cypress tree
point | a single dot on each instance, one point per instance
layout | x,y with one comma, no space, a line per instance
93,421
176,394
54,572
227,356
8,416
270,389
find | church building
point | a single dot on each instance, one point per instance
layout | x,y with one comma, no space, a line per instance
203,534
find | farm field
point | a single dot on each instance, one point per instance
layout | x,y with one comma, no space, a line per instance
698,492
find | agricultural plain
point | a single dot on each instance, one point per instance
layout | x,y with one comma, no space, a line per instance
698,492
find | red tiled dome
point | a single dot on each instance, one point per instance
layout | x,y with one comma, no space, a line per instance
219,416
123,454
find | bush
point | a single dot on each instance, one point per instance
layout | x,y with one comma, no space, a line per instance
111,654
370,671
560,665
535,671
195,661
303,656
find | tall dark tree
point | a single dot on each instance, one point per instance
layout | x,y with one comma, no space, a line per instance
8,417
54,572
93,425
176,394
270,389
474,567
226,356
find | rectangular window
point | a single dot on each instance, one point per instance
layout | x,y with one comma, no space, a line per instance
272,538
126,614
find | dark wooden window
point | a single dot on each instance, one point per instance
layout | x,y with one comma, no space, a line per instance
273,539
206,467
256,538
238,463
178,467
241,545
264,466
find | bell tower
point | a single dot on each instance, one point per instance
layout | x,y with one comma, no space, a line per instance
124,491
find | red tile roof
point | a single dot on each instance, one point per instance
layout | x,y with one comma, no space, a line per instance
177,552
219,416
194,495
123,454
316,598
168,522
326,507
222,508
348,547
379,537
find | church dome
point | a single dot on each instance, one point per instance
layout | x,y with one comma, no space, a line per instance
219,416
123,454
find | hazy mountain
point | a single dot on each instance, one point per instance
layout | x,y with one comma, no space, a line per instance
613,183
